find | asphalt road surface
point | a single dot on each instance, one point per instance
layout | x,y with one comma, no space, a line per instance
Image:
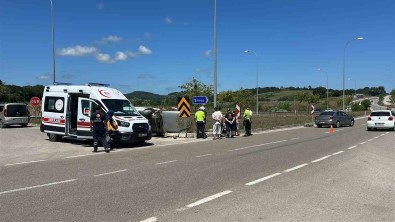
298,174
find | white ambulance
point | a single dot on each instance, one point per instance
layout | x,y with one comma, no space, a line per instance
66,111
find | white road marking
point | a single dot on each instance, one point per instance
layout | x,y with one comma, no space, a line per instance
204,155
263,144
151,219
69,157
37,186
386,132
352,147
296,138
382,134
369,140
207,199
322,158
102,174
295,168
341,151
362,143
171,161
35,161
262,179
376,137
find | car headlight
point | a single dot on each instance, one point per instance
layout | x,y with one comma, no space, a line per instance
123,124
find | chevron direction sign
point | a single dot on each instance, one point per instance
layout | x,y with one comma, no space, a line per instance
184,108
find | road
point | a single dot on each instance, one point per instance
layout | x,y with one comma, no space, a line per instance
294,174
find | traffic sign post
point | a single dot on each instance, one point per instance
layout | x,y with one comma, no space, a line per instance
199,100
35,101
184,108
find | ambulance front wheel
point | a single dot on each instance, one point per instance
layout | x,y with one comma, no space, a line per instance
53,137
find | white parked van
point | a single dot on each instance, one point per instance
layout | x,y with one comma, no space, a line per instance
66,111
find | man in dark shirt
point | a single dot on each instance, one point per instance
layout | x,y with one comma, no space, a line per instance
230,119
98,123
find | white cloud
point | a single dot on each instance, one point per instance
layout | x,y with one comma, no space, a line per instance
168,20
120,56
207,53
43,77
131,54
77,51
110,38
104,58
144,50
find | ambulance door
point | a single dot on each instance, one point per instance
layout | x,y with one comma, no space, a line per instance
54,109
85,109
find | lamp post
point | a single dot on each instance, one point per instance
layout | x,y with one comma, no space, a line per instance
53,42
327,92
256,56
215,53
344,66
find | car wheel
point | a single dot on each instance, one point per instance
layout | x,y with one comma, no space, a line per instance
337,124
2,125
352,123
23,125
368,129
53,137
319,126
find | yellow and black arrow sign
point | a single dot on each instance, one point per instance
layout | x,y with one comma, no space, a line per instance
184,108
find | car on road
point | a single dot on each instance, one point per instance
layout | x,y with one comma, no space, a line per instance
14,114
381,119
334,118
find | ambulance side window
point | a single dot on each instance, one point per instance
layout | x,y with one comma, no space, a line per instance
54,104
85,104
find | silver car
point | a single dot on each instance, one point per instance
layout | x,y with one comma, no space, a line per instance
14,114
334,118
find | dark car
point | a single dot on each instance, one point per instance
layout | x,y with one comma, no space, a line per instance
334,118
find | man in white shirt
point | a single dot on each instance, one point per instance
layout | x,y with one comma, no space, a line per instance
217,117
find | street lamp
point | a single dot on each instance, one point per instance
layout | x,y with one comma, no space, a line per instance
215,53
256,56
53,42
344,65
327,93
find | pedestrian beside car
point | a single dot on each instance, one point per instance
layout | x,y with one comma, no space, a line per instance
229,120
98,128
247,121
217,117
112,130
200,117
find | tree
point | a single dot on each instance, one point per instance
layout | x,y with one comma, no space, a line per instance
197,88
366,104
392,97
321,91
308,97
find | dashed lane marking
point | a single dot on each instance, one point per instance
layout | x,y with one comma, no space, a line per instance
35,161
322,158
341,151
352,147
37,186
204,155
151,219
171,161
205,200
263,144
102,174
295,168
262,179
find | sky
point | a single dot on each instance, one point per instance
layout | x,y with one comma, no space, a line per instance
156,45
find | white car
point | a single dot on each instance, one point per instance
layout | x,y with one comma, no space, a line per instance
381,119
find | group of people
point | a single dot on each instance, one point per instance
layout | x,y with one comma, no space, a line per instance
229,119
105,129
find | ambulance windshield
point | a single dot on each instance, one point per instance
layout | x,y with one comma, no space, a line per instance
120,107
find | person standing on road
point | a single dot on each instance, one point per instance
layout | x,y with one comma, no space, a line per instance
217,117
229,120
200,116
112,129
247,121
98,129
